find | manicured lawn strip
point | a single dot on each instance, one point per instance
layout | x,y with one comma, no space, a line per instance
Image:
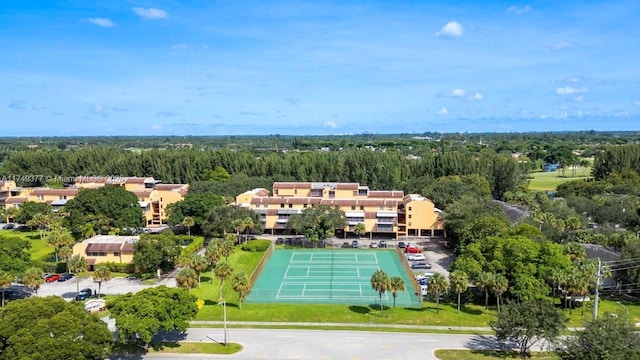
346,328
182,347
488,355
39,250
548,181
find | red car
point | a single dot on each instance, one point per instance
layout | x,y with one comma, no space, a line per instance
52,278
412,250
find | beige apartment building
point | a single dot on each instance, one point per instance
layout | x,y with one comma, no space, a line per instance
388,213
106,248
153,196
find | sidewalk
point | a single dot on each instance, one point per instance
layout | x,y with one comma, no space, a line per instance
351,325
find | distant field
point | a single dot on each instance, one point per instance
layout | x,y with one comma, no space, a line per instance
548,181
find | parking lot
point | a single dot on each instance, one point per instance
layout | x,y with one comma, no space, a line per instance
115,286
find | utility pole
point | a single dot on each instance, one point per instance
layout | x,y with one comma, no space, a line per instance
224,307
597,294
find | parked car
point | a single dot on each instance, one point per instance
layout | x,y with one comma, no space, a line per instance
84,294
52,278
345,245
8,226
412,250
373,245
424,281
402,245
382,244
355,244
416,257
421,265
65,277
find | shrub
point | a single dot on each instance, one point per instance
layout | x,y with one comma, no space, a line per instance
118,267
256,245
194,246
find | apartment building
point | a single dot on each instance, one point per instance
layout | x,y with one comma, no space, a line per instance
153,196
106,248
388,213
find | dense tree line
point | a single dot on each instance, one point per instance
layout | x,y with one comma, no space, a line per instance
376,169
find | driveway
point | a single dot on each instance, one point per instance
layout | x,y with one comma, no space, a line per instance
115,286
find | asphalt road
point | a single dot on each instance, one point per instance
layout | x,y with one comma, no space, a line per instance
327,344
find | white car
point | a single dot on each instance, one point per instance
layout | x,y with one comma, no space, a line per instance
416,257
374,245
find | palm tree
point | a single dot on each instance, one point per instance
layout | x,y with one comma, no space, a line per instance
438,285
222,271
76,265
10,214
459,282
247,224
32,279
241,286
41,222
212,254
397,284
188,222
500,286
573,223
102,273
227,246
5,281
575,251
555,277
65,252
380,282
359,229
485,282
196,262
187,278
87,230
58,239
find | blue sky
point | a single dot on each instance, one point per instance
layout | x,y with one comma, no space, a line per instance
323,67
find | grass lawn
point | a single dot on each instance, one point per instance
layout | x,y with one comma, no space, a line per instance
488,355
182,347
548,181
39,251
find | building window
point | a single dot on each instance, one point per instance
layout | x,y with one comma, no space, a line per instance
409,216
409,208
295,191
355,193
281,206
40,197
276,191
353,207
390,208
116,254
362,208
381,208
290,206
409,223
304,206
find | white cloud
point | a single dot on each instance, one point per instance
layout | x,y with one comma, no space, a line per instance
443,111
477,96
562,45
102,22
519,10
452,29
578,98
458,93
39,107
156,127
150,13
568,90
636,103
330,124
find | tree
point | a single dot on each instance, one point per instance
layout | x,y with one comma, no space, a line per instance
76,265
6,280
575,251
196,262
528,323
32,279
241,286
87,231
359,229
156,253
101,273
609,337
59,239
29,209
108,207
227,246
142,315
459,282
40,221
396,285
556,277
188,223
212,254
500,286
437,286
195,206
485,282
380,283
319,222
14,254
65,252
51,328
187,278
223,220
222,271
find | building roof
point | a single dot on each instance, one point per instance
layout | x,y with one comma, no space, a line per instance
15,200
91,179
54,192
385,194
111,243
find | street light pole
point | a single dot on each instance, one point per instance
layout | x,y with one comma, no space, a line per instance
224,310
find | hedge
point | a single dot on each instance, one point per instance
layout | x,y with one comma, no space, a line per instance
256,245
196,244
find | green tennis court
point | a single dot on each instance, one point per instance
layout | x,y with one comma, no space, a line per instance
328,276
